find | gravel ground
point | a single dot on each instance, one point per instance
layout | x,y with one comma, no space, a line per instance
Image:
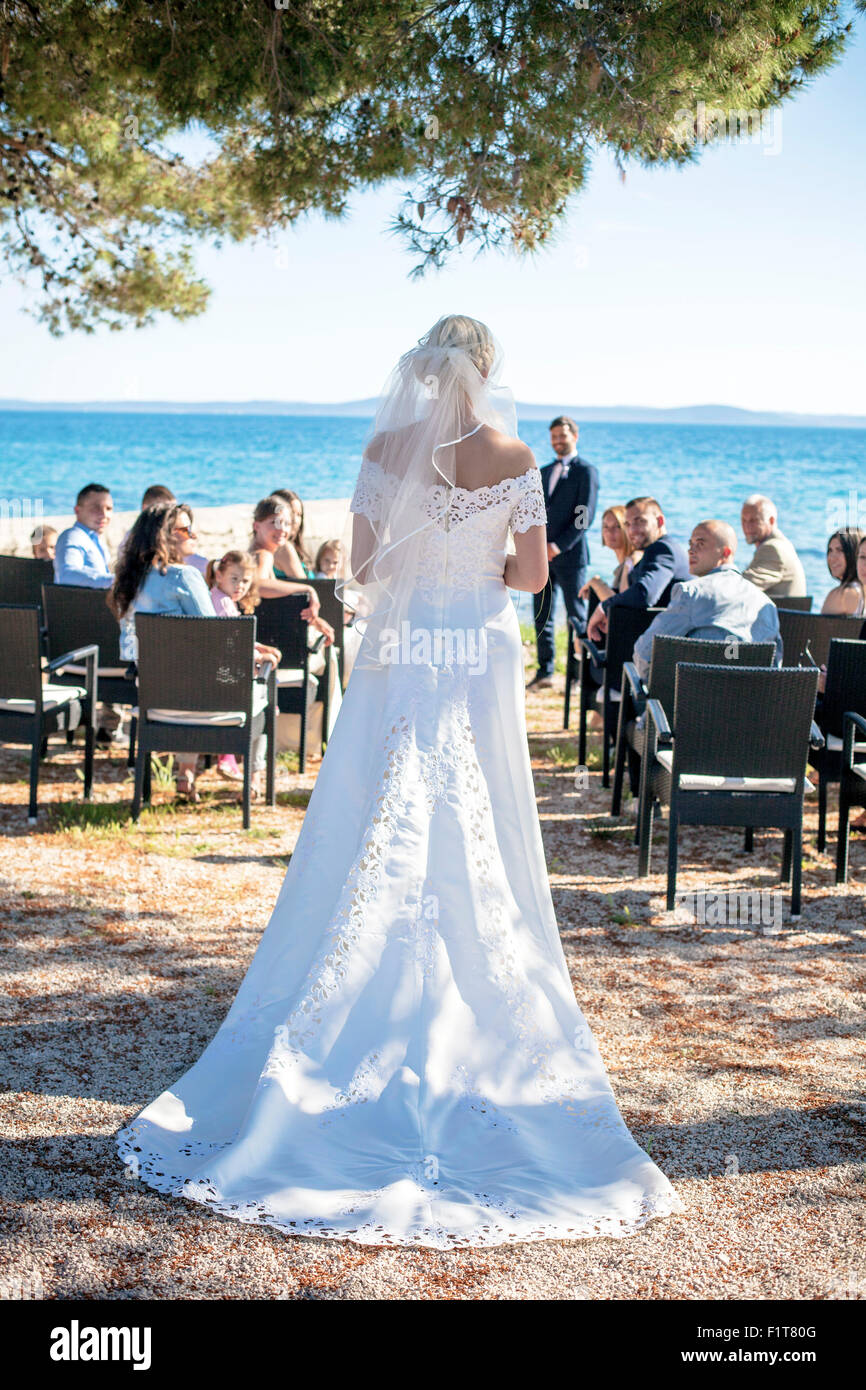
735,1052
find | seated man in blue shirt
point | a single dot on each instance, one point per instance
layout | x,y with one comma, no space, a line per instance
80,556
717,602
663,563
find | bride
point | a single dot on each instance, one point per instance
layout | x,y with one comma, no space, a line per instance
404,1062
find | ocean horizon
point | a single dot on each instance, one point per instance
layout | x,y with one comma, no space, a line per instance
817,477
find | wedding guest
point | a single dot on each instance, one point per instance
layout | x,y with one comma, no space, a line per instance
614,536
860,611
717,602
271,525
847,597
330,560
185,539
231,582
570,487
151,495
663,563
81,556
151,578
775,566
44,542
291,560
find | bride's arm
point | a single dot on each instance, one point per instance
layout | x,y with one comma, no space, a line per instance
526,569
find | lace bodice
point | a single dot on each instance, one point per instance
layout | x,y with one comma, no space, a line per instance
466,547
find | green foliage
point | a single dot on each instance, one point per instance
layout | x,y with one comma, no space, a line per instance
490,110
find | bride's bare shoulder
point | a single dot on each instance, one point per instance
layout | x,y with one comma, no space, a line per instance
512,456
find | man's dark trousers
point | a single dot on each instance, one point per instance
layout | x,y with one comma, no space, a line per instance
570,513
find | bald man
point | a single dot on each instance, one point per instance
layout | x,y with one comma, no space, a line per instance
716,603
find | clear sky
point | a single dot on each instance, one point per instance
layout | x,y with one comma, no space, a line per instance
739,280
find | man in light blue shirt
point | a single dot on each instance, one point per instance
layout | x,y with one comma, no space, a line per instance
81,556
716,603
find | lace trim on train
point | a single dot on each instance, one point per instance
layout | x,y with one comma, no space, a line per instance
504,1226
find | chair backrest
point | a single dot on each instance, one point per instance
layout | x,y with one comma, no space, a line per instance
735,721
332,608
20,645
75,617
667,651
815,631
21,578
624,627
193,663
279,624
845,686
794,605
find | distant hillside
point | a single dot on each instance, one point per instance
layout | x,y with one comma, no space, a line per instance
527,410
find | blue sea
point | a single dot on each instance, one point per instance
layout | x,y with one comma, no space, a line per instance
817,477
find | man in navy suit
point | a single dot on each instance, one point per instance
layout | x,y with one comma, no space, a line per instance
663,564
571,492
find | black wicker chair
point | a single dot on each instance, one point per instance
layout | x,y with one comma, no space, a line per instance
852,784
30,710
572,654
659,685
197,694
21,582
806,637
75,615
624,627
333,611
794,605
844,690
738,757
279,624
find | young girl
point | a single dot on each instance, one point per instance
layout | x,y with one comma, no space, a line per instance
233,592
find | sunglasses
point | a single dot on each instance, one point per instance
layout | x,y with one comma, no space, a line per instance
183,531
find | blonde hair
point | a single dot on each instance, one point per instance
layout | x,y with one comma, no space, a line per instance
618,513
460,331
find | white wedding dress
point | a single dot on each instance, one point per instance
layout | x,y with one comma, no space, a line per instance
405,1062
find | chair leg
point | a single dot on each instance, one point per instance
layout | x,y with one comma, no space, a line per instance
248,774
749,839
326,707
133,730
797,875
673,828
142,763
581,718
822,812
569,676
645,828
842,835
619,764
147,779
35,753
302,742
605,753
786,858
271,745
89,741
